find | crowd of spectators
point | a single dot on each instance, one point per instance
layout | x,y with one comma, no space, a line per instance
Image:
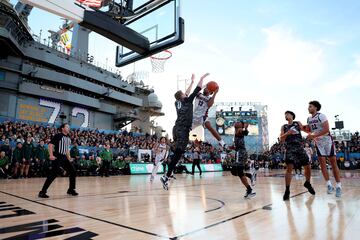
24,152
353,146
349,150
22,142
275,157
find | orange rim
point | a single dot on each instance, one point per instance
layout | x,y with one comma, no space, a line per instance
162,58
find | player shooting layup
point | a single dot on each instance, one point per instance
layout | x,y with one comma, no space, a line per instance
203,102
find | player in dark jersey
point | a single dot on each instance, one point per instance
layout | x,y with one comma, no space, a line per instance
184,109
295,153
239,166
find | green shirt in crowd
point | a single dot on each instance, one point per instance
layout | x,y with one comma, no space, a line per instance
41,153
28,149
4,161
106,155
119,164
18,155
92,163
74,153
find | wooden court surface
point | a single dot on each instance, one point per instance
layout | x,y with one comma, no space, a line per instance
211,207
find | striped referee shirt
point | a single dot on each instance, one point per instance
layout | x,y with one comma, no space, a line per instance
61,144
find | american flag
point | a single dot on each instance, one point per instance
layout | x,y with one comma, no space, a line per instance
91,3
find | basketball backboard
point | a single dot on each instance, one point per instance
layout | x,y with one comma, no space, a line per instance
142,28
162,25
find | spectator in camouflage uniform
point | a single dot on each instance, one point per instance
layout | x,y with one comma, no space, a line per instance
119,165
18,160
75,156
4,165
75,153
83,165
92,166
6,148
41,159
28,149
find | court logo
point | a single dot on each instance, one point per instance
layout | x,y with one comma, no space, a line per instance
39,229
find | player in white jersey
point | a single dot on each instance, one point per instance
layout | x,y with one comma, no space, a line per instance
203,102
161,153
318,127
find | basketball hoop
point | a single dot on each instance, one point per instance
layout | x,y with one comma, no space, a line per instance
158,61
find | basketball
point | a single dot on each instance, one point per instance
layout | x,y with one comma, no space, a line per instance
212,86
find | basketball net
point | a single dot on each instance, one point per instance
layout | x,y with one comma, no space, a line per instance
158,61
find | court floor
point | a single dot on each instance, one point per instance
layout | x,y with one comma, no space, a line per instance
211,207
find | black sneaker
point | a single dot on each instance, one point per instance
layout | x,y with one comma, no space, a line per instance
72,193
286,196
250,194
308,186
164,180
42,195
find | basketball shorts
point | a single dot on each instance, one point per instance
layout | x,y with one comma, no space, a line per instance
199,121
158,159
241,157
296,156
237,170
325,147
240,165
181,137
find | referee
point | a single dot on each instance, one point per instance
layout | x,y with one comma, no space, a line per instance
196,161
59,151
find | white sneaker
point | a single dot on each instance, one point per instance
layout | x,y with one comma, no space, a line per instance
330,189
338,192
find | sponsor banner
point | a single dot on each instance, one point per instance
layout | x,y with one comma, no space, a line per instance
146,168
143,168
